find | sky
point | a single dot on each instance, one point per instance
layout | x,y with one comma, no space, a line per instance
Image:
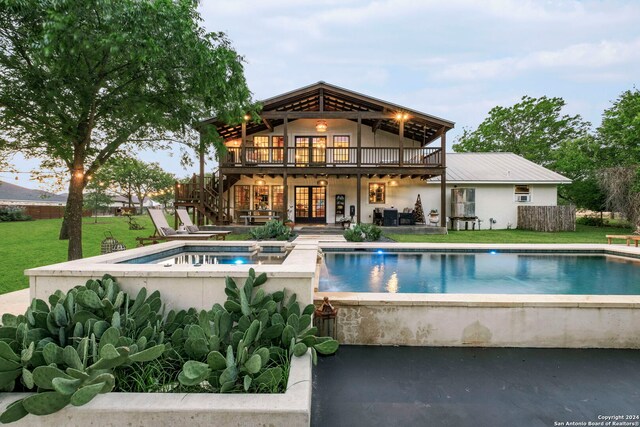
455,59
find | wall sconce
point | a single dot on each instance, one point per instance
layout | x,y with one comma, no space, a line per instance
260,182
321,126
322,182
402,116
393,183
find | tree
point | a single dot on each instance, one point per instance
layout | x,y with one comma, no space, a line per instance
619,135
579,159
619,132
418,212
532,128
97,199
127,177
80,79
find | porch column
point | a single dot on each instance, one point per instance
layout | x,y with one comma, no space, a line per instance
285,142
220,196
401,143
443,179
201,183
359,140
229,204
243,144
358,203
285,198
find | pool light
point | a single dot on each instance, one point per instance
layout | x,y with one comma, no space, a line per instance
493,252
238,262
380,252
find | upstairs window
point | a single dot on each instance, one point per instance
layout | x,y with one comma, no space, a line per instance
522,193
261,144
278,149
341,149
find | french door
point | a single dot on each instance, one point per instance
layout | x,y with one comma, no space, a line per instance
311,150
311,204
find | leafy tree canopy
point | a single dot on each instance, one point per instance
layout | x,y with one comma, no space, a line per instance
128,177
620,130
80,79
533,128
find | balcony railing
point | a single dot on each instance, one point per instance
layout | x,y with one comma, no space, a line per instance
332,156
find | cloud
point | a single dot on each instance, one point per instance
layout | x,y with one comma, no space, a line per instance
579,57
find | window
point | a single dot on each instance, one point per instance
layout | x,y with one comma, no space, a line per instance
260,197
277,193
261,144
341,149
522,193
377,192
242,199
278,148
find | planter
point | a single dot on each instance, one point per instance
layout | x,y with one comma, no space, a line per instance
292,408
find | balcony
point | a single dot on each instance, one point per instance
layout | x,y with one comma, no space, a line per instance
306,157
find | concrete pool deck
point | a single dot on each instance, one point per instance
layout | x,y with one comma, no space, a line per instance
426,386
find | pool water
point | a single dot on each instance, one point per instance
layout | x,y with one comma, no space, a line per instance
480,273
209,258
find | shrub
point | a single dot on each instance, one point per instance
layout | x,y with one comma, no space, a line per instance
8,214
95,339
272,230
590,220
363,233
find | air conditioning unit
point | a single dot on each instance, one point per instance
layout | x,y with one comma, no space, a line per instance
523,197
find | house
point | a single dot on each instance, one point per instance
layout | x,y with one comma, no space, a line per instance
500,182
322,152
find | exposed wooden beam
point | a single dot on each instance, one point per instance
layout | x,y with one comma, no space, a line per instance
376,125
327,114
321,99
268,124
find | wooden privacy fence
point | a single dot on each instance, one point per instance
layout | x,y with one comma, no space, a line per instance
547,218
44,211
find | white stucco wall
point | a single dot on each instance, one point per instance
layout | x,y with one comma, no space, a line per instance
492,200
497,201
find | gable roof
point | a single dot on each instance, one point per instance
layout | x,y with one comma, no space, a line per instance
419,126
493,168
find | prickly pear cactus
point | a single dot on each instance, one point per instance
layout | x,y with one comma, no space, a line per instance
240,346
66,350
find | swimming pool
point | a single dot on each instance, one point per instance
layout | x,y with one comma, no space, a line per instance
486,272
203,255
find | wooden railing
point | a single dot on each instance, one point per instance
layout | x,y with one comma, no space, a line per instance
333,156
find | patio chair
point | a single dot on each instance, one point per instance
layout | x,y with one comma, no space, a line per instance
191,228
165,232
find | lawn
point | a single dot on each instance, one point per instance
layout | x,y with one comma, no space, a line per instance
35,243
583,234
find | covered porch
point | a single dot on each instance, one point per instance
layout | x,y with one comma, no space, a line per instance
309,146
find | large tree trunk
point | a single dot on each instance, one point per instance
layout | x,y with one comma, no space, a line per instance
73,217
64,229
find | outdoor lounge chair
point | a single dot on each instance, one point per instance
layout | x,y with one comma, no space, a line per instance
191,228
166,233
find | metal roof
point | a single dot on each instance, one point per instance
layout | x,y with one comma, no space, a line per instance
488,168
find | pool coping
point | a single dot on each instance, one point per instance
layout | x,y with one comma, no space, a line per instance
483,300
300,262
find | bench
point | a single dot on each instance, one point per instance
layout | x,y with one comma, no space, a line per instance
251,218
611,237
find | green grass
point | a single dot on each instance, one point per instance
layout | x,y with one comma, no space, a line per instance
32,244
583,234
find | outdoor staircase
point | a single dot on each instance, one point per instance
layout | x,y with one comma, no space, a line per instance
187,195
